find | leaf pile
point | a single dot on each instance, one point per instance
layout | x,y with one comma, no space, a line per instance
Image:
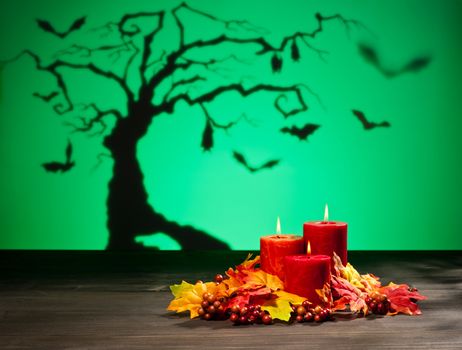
248,285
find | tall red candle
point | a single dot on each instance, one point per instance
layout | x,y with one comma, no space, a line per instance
274,248
327,237
306,273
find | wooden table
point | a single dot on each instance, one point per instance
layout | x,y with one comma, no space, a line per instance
102,300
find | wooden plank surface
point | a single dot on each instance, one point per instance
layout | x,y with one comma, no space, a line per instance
57,306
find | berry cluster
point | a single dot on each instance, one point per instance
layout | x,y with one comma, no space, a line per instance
378,303
249,314
305,313
212,308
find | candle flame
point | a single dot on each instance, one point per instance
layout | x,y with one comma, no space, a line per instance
326,213
308,248
278,226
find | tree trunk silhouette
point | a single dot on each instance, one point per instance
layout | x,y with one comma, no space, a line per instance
129,213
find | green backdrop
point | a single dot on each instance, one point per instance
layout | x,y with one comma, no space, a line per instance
397,187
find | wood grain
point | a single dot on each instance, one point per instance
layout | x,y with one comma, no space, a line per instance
56,305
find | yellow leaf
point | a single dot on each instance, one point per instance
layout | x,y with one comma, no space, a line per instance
178,289
278,308
188,297
291,298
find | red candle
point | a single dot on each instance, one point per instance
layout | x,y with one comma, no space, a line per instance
327,237
274,248
306,273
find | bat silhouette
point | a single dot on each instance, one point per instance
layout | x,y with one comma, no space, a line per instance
47,27
302,133
370,55
295,52
46,98
207,137
55,167
367,124
241,160
276,63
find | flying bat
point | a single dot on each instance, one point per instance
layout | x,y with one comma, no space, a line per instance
370,55
367,124
302,133
241,160
46,98
47,27
55,167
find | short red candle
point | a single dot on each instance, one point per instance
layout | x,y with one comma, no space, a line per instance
327,237
306,273
274,248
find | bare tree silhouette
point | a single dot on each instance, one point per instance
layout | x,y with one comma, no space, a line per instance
129,213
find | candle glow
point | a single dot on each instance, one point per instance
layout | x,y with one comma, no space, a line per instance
308,248
326,213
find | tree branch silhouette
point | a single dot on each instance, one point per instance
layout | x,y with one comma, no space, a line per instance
130,213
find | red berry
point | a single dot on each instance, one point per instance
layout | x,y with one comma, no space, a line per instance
299,318
207,316
216,303
218,278
211,309
317,318
306,304
266,319
256,314
205,304
252,319
294,308
301,310
257,307
234,317
211,298
244,310
205,295
373,306
235,309
317,309
308,317
201,311
243,320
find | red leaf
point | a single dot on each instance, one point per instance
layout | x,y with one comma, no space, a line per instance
402,299
349,295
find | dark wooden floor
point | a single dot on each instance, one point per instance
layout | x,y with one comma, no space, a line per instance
99,300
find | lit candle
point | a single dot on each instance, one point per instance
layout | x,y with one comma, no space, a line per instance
306,273
274,248
327,237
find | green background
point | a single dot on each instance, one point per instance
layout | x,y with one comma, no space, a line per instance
398,187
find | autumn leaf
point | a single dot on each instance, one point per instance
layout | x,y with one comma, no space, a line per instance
281,306
260,278
247,277
325,294
349,295
188,297
294,299
278,309
402,299
367,282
